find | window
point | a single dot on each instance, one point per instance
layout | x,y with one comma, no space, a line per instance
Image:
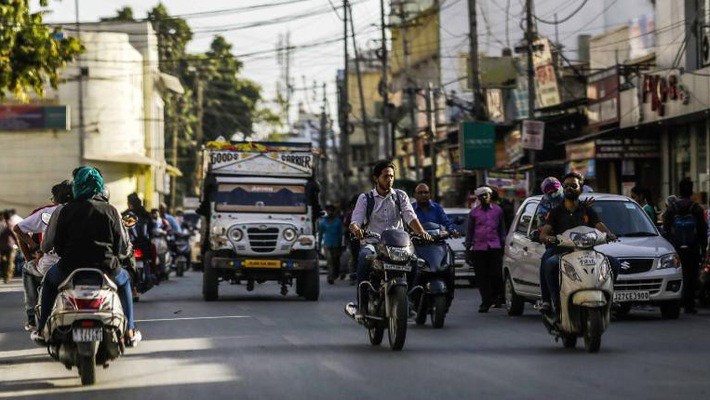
526,218
261,198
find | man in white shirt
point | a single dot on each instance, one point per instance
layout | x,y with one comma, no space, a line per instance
29,233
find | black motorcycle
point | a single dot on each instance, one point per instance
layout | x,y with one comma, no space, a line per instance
433,286
383,298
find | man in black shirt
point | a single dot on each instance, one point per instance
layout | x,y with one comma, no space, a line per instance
568,215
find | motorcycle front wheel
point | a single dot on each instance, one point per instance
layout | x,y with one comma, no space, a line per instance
593,331
397,331
438,313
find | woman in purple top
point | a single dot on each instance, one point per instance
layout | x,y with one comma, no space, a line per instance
484,244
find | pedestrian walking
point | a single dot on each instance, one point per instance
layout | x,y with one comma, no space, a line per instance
684,225
484,243
331,239
643,198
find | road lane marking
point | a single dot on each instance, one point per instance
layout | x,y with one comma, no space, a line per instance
193,318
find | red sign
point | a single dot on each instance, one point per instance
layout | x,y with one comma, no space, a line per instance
659,90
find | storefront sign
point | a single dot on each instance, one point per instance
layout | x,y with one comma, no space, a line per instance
603,95
533,134
586,168
618,149
477,140
548,94
509,181
32,118
514,146
580,151
658,90
495,105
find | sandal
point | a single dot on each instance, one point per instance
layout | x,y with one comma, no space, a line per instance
134,339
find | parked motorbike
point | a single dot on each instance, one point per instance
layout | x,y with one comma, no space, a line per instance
180,253
86,324
163,258
383,298
433,285
586,290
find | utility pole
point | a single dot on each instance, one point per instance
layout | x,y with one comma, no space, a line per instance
80,82
199,133
530,37
431,125
323,149
173,159
411,90
345,125
473,60
361,93
384,90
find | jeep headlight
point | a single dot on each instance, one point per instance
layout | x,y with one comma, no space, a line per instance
289,234
669,261
398,254
236,235
569,270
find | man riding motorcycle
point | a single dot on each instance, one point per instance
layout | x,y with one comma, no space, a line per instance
376,211
87,233
571,213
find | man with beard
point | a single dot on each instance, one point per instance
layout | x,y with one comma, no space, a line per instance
570,214
484,243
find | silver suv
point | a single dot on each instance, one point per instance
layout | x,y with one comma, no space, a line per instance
462,269
650,268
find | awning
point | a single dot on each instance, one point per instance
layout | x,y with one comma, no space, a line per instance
174,171
589,136
171,83
124,158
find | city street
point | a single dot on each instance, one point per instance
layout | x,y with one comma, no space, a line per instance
259,345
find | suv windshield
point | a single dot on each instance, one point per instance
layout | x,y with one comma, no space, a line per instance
624,218
261,198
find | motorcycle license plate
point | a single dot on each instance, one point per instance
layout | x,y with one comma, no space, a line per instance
262,263
396,267
87,334
638,295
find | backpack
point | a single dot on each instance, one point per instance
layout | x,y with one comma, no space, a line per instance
684,230
371,205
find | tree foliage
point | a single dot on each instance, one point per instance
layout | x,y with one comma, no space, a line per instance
124,14
31,53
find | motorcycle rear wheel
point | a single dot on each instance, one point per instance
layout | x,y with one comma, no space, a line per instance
593,331
87,370
438,312
397,332
422,311
375,334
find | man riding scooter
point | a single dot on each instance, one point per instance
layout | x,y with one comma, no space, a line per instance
570,214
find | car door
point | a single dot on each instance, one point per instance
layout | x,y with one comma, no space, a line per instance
531,264
518,248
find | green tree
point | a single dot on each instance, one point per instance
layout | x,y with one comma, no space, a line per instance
124,14
31,53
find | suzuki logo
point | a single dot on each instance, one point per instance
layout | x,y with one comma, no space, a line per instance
625,265
263,227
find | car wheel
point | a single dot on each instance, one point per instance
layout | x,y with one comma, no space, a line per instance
670,310
514,304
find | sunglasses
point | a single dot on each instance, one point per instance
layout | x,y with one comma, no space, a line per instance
422,192
570,186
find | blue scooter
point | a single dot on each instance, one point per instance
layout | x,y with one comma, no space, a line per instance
434,279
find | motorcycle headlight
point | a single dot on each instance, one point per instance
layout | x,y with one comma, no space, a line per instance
569,270
604,271
289,234
236,234
669,261
398,254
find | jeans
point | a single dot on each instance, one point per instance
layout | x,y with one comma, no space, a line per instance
31,284
544,288
363,270
332,255
690,261
57,274
552,274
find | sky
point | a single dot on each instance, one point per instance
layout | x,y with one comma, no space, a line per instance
316,21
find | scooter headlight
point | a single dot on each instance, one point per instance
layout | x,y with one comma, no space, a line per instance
604,271
569,270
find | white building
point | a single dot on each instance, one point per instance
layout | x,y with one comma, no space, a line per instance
122,132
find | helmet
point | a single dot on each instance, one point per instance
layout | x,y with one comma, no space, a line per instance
550,185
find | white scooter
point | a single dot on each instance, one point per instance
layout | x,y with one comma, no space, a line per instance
87,324
586,290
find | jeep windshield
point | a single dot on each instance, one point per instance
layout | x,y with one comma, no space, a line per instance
261,198
624,218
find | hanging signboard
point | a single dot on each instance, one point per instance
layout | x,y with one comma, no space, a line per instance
477,141
548,93
533,134
516,182
514,146
31,117
619,149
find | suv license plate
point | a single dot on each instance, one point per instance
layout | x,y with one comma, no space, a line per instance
632,296
87,334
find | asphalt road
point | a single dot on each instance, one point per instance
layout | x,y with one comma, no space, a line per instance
260,345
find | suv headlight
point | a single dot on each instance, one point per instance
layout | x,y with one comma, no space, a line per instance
669,261
236,234
398,254
569,270
289,234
